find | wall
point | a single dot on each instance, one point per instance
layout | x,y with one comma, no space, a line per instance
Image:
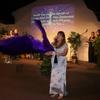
84,19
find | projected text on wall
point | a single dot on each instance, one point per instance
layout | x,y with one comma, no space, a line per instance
56,15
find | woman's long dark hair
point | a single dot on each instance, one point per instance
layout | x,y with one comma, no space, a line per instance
63,42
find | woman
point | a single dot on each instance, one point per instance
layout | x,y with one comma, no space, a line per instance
98,33
59,63
97,37
91,53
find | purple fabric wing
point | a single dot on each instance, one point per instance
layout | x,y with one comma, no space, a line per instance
47,46
26,44
16,45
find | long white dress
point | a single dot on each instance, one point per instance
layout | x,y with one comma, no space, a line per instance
58,73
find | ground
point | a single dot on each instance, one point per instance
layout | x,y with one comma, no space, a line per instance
27,83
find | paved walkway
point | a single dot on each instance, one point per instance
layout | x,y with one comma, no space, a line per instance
29,84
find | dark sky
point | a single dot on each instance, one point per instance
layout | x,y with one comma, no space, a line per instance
12,5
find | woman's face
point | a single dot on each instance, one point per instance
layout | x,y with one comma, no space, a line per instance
59,38
92,34
97,33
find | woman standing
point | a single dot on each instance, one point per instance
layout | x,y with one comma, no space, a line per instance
59,64
97,38
91,53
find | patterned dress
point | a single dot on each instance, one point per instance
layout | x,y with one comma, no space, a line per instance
58,73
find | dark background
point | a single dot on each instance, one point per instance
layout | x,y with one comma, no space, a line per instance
9,6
